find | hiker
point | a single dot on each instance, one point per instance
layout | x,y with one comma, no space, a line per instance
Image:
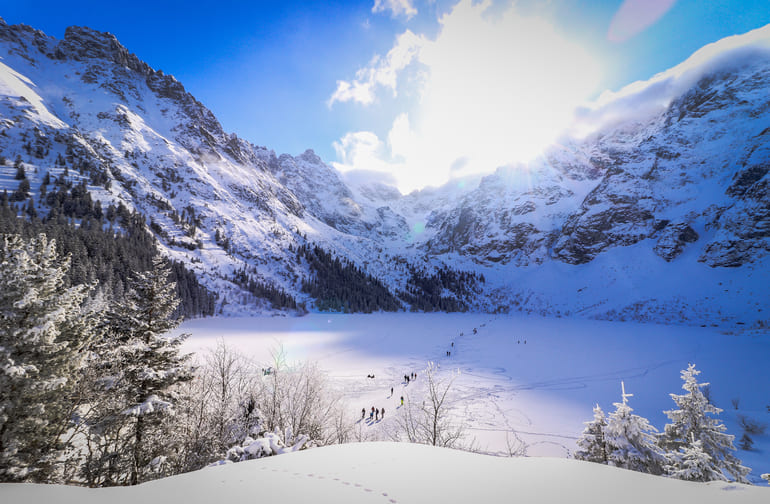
453,344
371,413
391,391
377,414
402,400
382,413
363,413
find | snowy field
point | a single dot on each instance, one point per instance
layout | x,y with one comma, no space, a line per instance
536,377
399,473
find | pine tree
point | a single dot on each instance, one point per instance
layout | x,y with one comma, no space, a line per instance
146,365
43,333
692,463
691,422
631,442
592,446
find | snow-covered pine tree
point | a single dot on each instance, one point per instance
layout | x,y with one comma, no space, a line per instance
692,463
631,442
145,367
591,444
692,422
43,333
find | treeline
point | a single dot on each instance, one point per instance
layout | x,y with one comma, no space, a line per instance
428,292
277,297
341,286
106,245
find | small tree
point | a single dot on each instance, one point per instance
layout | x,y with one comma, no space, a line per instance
630,440
21,174
746,443
692,463
43,333
429,421
691,422
591,444
22,192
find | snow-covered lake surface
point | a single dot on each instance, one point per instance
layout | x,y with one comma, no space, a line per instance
536,377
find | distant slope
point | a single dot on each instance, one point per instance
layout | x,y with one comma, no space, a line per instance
400,473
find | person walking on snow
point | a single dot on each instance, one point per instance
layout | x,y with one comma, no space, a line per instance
382,413
363,413
402,400
377,414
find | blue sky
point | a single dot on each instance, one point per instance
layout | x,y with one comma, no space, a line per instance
368,84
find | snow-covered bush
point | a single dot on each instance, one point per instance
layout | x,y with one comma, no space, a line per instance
266,445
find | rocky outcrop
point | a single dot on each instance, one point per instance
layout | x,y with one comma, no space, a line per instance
673,238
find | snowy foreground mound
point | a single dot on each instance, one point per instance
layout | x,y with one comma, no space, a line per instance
399,473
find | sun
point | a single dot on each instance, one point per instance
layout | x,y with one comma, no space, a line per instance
497,91
494,89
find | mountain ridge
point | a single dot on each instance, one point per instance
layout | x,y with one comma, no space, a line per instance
690,177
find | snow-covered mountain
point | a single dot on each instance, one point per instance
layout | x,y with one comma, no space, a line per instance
660,214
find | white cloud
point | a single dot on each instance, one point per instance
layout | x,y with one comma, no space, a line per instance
397,7
380,72
497,89
639,100
360,149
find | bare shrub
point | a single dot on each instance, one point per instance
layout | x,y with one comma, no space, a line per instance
751,426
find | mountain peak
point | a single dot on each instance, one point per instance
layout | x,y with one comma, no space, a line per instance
311,157
81,43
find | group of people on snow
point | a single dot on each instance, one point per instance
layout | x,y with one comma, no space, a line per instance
374,415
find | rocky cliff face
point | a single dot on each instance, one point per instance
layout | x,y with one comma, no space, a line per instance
693,176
